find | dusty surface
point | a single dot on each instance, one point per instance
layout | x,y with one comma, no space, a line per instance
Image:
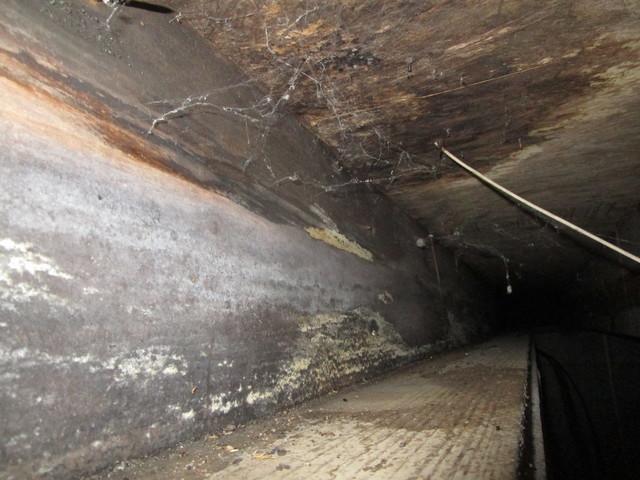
152,290
137,309
456,415
541,95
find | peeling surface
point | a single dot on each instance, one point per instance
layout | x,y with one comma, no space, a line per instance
423,421
22,276
335,349
172,320
142,306
339,241
531,91
23,260
147,363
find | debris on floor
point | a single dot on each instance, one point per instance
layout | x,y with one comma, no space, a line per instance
458,412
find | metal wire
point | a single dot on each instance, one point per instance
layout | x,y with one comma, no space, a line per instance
537,209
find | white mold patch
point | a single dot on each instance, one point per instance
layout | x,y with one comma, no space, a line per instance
336,346
26,358
16,293
139,365
289,378
220,405
190,415
23,260
170,370
147,363
23,274
16,440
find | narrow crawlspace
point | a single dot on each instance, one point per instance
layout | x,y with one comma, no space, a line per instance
305,239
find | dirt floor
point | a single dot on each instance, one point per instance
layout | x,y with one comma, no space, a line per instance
455,415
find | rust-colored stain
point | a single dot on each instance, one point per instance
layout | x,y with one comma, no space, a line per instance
378,82
52,103
75,111
493,80
385,79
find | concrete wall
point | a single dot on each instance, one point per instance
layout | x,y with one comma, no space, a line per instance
590,393
149,292
605,293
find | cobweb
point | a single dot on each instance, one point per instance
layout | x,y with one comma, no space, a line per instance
362,158
302,76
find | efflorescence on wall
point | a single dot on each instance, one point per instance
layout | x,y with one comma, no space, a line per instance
146,297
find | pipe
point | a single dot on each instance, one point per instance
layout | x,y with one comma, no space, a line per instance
526,204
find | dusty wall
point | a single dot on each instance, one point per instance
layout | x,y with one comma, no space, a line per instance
603,295
151,289
541,96
606,294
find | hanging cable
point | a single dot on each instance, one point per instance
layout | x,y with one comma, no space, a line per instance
535,208
435,263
